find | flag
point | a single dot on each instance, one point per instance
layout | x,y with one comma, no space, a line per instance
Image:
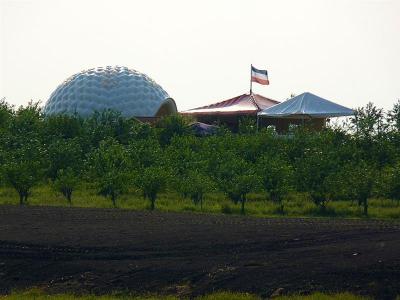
259,76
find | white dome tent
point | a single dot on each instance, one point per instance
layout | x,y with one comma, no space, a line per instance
306,106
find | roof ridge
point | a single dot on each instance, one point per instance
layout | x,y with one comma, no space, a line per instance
217,103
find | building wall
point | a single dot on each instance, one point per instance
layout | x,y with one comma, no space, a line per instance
281,124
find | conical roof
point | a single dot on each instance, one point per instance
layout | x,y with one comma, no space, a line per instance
307,105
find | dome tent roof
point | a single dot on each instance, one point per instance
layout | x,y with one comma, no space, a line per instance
306,105
127,91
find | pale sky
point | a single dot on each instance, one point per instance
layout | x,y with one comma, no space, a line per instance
200,52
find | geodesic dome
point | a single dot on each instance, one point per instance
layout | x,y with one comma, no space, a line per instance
127,91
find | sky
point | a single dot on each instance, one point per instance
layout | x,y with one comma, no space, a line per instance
200,52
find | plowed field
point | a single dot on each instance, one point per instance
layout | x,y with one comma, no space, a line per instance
104,250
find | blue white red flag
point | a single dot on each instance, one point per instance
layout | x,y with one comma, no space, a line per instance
259,76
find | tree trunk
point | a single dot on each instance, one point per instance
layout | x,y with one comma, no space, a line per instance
281,208
113,199
21,199
243,200
152,203
365,207
69,196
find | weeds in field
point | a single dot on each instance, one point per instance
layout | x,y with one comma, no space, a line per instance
39,295
297,205
320,296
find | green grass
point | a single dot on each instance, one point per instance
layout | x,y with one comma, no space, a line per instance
320,296
38,295
297,205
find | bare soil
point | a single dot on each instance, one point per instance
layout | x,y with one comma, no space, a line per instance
106,250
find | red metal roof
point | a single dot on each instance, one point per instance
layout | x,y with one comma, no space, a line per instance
243,104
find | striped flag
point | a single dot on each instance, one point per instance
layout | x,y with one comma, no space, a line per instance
259,76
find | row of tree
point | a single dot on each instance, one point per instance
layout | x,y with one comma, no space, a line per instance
355,161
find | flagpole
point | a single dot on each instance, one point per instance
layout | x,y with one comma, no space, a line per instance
251,81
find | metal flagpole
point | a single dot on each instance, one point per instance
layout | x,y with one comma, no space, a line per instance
251,81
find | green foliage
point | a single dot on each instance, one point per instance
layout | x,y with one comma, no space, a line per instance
171,126
110,154
109,169
151,181
247,125
277,178
357,182
236,178
6,115
369,120
24,154
195,185
393,183
394,116
312,171
66,181
24,168
63,127
64,154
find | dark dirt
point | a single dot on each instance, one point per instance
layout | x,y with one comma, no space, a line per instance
105,250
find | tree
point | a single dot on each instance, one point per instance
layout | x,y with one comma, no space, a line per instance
151,182
313,168
64,154
24,154
390,182
63,127
394,116
242,185
195,184
247,125
277,178
66,182
357,181
6,115
170,126
108,124
236,178
24,169
369,121
109,169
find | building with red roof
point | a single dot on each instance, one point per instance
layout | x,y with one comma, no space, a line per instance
230,111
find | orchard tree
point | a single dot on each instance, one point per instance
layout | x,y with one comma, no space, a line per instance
195,185
170,126
24,154
390,181
312,172
24,168
369,121
394,116
151,181
66,182
6,115
358,181
109,169
64,154
237,178
247,125
27,123
63,126
276,177
242,185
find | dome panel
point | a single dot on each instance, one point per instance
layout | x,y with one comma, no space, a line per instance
118,88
